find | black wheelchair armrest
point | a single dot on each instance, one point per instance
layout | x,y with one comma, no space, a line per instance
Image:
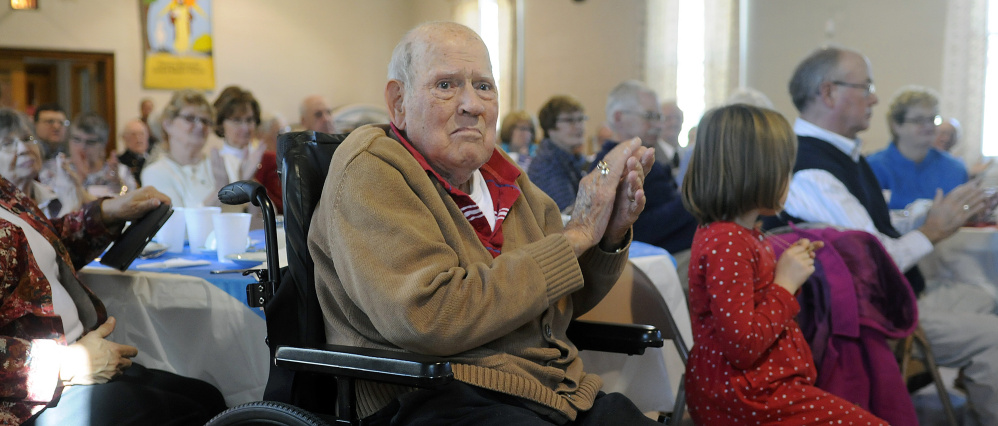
631,339
399,368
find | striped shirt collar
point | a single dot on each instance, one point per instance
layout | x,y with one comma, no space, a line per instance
500,176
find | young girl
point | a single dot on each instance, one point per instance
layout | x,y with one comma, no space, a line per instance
750,362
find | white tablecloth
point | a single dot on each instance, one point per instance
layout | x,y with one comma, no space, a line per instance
188,326
650,380
970,256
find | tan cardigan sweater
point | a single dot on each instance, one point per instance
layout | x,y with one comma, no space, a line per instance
397,266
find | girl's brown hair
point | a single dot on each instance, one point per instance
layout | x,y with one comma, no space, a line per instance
742,161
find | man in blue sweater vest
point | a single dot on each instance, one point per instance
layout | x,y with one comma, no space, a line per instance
832,183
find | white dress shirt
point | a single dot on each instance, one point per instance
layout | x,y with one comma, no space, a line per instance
187,186
818,196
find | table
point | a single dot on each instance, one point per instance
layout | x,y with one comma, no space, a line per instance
969,256
650,380
189,322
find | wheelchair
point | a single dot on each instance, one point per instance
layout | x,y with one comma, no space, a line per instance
312,382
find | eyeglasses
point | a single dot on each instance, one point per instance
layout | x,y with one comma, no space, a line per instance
869,88
191,119
250,121
647,115
922,121
88,141
9,143
53,122
573,120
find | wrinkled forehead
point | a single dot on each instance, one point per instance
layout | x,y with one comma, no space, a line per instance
447,51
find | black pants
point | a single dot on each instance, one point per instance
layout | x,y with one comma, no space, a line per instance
462,404
140,396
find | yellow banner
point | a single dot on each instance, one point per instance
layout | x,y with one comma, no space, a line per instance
177,37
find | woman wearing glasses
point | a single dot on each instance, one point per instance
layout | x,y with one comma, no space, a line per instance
559,164
910,168
236,121
58,365
185,173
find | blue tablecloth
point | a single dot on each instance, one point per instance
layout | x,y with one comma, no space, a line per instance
639,249
232,283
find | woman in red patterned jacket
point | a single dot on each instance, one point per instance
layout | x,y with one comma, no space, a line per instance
56,367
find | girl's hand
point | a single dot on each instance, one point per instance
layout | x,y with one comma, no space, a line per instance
796,264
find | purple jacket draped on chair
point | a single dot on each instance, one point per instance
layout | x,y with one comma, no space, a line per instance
856,300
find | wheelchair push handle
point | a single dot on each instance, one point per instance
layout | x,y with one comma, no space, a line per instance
242,192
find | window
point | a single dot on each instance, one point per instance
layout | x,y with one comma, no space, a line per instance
690,94
989,147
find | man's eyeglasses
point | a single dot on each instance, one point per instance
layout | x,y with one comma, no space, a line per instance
573,120
9,143
647,115
869,88
191,119
922,121
53,122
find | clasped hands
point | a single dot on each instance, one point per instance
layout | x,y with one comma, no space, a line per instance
610,199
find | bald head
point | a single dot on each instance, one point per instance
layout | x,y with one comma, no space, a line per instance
947,135
415,44
316,114
136,136
833,89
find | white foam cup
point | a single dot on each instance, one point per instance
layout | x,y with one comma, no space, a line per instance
231,233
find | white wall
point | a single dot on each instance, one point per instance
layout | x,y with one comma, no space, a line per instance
582,49
902,38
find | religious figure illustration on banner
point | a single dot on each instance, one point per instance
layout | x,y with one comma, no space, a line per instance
177,40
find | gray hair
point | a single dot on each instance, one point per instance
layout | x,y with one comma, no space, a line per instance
400,67
268,121
805,85
749,96
625,96
12,120
92,124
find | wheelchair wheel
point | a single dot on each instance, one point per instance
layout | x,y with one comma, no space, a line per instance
266,413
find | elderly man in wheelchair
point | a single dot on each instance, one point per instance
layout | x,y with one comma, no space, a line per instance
428,241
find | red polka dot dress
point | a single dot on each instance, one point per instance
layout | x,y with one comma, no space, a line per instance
750,363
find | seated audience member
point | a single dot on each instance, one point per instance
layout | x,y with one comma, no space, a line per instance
558,166
237,113
948,135
910,168
51,126
750,361
21,162
184,173
749,96
146,107
102,176
517,135
632,111
667,149
316,115
136,137
58,367
348,118
270,128
492,290
832,183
